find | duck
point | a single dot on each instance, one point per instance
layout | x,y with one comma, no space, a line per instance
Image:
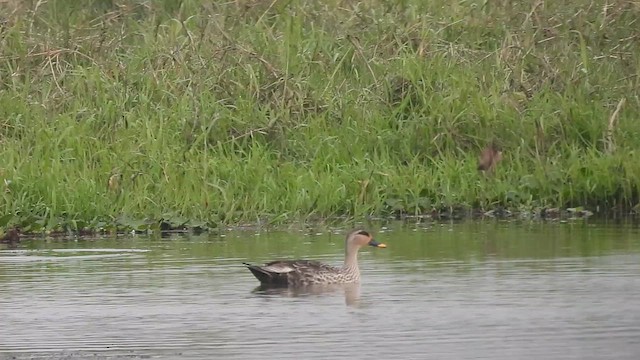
301,273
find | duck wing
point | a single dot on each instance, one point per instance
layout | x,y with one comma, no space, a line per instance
288,272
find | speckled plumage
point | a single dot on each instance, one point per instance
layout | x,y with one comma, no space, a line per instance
308,272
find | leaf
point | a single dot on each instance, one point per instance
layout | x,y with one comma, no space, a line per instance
5,219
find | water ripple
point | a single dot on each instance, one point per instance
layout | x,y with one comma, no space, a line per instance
110,303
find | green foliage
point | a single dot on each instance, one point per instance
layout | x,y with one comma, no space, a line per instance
227,112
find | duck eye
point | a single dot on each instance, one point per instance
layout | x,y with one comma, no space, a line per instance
362,232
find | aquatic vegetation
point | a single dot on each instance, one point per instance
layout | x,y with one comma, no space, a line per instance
135,115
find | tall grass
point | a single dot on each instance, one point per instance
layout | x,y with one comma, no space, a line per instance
247,111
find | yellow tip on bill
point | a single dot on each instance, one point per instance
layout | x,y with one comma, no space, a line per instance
382,245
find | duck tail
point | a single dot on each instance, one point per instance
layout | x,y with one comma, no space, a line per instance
265,277
259,273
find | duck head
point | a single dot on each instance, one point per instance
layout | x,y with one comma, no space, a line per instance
360,238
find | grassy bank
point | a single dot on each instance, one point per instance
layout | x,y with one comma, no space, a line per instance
129,112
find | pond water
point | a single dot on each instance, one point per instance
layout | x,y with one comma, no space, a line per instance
491,290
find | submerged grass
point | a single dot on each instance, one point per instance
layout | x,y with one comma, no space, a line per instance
130,113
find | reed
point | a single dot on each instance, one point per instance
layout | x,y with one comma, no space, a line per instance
148,114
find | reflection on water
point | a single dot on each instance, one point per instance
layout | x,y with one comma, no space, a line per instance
351,291
481,291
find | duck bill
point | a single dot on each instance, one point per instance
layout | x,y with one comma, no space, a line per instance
376,244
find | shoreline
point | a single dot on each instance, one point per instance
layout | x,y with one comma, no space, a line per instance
163,229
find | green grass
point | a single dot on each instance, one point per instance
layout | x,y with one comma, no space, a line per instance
248,111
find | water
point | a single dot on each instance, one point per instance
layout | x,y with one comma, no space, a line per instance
467,291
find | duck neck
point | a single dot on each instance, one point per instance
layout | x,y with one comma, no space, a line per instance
351,258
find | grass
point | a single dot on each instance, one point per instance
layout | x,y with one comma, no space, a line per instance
133,112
